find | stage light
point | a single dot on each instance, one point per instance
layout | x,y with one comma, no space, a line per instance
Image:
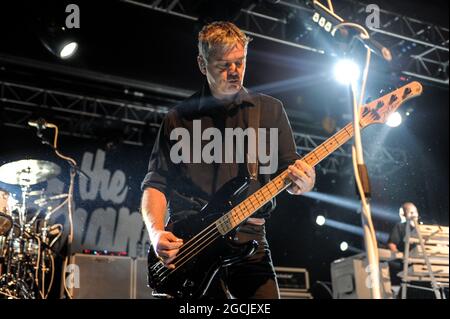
352,205
320,220
52,29
394,120
353,229
346,71
59,43
343,246
325,18
68,50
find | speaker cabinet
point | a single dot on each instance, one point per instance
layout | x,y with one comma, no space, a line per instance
350,279
108,277
101,277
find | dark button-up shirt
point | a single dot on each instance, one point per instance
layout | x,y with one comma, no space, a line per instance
186,183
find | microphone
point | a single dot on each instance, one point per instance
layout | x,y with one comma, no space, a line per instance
40,124
377,48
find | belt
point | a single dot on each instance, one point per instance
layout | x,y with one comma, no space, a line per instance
256,221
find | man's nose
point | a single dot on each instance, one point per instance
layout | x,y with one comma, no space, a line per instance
232,68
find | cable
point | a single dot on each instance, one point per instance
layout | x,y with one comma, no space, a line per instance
52,276
69,202
70,237
55,144
324,284
36,274
61,228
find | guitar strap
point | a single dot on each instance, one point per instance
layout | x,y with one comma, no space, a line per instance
253,122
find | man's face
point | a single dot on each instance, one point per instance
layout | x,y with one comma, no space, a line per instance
225,71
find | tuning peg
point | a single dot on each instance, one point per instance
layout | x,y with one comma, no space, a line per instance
393,98
406,92
380,104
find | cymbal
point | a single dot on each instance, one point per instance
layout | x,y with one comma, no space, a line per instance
36,193
46,200
28,172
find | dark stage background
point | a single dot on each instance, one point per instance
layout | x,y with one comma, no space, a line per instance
127,54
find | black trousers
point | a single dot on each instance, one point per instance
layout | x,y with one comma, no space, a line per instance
253,277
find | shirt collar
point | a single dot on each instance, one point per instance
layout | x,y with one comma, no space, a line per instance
208,101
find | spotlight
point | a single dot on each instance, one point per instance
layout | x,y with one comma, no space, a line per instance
68,50
58,43
49,23
343,246
346,71
320,220
394,120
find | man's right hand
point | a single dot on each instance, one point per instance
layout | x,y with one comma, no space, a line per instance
166,246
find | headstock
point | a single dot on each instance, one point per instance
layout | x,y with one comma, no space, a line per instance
379,110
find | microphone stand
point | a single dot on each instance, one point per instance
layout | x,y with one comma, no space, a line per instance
73,171
362,177
73,165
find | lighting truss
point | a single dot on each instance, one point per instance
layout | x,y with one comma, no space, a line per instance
420,49
78,115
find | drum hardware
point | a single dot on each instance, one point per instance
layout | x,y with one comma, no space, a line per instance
21,278
26,253
45,201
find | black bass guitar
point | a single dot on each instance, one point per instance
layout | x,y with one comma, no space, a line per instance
208,236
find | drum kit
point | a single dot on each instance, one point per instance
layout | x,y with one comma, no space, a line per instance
27,238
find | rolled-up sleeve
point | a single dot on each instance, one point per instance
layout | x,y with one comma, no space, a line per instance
160,168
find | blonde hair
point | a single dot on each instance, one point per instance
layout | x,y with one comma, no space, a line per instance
220,33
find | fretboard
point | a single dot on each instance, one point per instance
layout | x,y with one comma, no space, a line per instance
258,199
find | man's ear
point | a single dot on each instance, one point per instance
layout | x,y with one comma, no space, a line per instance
201,64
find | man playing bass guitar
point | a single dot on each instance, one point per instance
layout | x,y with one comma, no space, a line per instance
181,184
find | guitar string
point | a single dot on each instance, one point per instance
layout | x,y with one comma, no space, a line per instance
205,244
191,242
240,214
221,223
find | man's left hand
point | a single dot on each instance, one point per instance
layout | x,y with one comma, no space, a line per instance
303,177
